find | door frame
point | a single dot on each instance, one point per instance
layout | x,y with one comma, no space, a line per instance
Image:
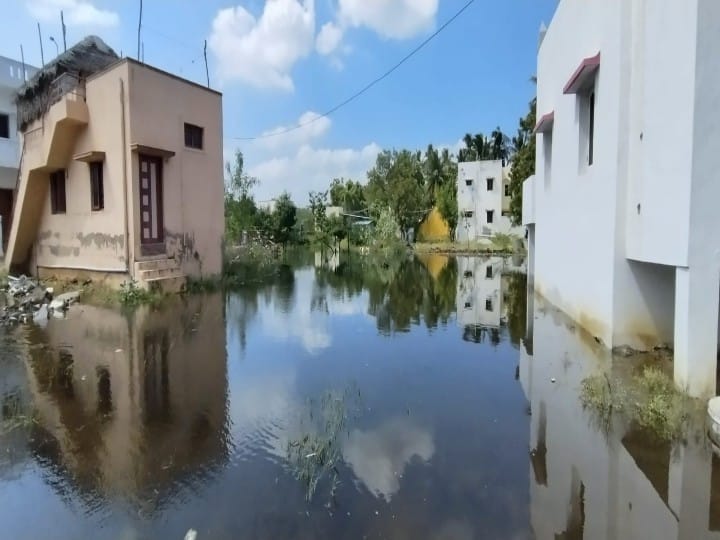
152,246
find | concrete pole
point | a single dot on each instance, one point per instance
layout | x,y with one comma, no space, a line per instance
697,298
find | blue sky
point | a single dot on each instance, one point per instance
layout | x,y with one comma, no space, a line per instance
278,61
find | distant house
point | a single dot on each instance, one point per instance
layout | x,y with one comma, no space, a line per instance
622,212
121,173
483,197
13,75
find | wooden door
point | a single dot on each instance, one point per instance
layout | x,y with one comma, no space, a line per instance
152,230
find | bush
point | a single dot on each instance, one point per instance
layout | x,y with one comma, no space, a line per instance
132,295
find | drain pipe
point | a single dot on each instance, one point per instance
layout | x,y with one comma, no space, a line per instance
125,182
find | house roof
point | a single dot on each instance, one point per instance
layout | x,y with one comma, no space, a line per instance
583,75
84,58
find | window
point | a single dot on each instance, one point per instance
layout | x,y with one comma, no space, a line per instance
468,273
468,182
193,136
490,215
97,189
490,182
57,192
507,190
489,272
468,305
468,214
4,126
591,129
488,304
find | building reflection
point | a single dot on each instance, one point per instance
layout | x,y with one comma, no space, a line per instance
588,481
485,286
132,405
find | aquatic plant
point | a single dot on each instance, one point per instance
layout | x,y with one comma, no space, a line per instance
649,398
315,453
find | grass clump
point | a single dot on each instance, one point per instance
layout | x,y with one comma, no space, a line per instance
649,399
132,295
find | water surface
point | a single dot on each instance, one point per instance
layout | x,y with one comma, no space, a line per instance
403,398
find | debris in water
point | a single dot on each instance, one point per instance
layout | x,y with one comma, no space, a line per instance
191,534
552,380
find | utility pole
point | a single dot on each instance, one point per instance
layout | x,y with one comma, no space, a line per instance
139,27
42,54
64,30
207,73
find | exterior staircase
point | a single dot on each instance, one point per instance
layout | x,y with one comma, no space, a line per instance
160,274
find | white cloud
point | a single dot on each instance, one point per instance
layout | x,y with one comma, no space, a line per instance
378,457
311,169
394,19
313,127
329,38
262,52
76,12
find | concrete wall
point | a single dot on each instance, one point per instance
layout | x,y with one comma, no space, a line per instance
193,185
575,203
662,99
82,238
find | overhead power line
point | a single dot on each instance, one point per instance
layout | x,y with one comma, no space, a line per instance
364,88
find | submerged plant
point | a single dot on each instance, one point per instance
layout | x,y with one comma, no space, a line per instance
314,454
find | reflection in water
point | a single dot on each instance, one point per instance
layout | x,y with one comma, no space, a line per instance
617,483
122,404
379,456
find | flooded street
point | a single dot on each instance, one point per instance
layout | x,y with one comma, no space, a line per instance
402,399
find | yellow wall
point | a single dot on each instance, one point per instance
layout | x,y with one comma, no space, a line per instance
433,228
193,185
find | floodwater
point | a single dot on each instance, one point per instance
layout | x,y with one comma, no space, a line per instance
403,399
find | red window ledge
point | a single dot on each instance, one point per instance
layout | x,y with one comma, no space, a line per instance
583,75
546,123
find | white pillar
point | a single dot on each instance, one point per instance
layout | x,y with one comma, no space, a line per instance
697,293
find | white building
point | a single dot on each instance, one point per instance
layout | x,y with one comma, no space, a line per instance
12,75
483,195
622,212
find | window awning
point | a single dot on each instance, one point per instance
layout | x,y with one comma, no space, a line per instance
151,150
583,76
90,157
545,124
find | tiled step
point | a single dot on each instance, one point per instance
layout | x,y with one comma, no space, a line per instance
155,264
157,273
168,285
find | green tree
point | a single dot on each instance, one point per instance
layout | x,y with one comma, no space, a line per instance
321,224
240,208
397,182
348,194
283,219
448,206
523,164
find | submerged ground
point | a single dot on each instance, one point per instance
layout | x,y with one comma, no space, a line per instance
406,398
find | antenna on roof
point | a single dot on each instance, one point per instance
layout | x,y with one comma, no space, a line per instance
142,48
139,27
22,59
64,29
42,54
207,73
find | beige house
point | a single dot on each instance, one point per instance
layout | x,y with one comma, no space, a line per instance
121,172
